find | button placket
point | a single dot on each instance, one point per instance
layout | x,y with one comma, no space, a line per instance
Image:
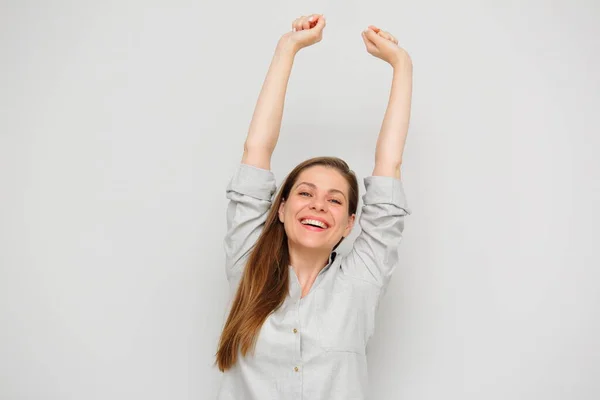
298,338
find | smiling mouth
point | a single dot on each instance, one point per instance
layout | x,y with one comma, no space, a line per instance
313,225
313,228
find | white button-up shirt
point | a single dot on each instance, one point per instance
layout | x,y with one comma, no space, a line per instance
313,348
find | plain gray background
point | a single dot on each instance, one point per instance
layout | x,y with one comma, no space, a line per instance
122,122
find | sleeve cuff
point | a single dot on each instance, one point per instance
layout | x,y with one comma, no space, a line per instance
386,190
253,181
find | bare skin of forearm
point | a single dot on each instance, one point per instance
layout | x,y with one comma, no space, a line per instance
392,137
266,120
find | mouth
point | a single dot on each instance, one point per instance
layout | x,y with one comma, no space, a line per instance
314,225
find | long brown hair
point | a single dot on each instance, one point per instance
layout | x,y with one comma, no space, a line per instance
264,283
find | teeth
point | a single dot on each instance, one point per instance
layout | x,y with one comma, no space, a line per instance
313,222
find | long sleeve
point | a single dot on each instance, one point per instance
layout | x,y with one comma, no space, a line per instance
374,255
250,194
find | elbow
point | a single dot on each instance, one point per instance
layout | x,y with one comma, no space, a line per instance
263,148
387,168
259,157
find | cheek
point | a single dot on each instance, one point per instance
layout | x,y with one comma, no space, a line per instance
293,207
290,211
341,219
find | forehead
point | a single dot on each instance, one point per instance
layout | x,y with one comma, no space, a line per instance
325,178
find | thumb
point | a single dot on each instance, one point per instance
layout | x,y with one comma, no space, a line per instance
320,23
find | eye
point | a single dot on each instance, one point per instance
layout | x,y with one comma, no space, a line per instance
304,193
336,201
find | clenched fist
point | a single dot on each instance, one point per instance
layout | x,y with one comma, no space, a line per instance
306,31
383,45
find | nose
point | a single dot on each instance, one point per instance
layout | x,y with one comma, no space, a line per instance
318,204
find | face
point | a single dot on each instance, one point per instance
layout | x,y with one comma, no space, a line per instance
315,214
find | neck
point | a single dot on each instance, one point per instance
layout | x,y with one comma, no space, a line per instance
307,263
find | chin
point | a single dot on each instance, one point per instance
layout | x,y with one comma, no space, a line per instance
312,244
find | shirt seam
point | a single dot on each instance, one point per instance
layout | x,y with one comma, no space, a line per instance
377,285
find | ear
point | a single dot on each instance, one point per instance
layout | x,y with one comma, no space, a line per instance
281,210
348,229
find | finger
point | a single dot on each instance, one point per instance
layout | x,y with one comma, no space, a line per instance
391,37
295,24
299,22
320,22
373,37
386,35
305,23
365,38
383,35
313,19
368,43
374,28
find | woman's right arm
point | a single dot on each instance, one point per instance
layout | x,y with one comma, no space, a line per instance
249,195
266,121
252,186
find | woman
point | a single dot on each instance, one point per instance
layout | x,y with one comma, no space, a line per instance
301,317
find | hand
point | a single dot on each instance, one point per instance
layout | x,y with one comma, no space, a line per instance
306,31
383,45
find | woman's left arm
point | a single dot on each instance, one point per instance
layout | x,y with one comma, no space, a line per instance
375,252
392,137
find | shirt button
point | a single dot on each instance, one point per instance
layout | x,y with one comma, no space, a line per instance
296,369
295,330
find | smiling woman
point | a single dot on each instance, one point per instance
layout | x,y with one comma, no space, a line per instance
318,204
301,317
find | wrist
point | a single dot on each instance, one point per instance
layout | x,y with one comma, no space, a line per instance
286,47
402,69
402,63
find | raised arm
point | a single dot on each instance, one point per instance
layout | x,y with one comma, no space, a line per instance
392,137
375,252
266,121
252,186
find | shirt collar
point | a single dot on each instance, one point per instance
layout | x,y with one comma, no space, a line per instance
331,260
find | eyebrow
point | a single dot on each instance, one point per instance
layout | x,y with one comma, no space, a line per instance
312,185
